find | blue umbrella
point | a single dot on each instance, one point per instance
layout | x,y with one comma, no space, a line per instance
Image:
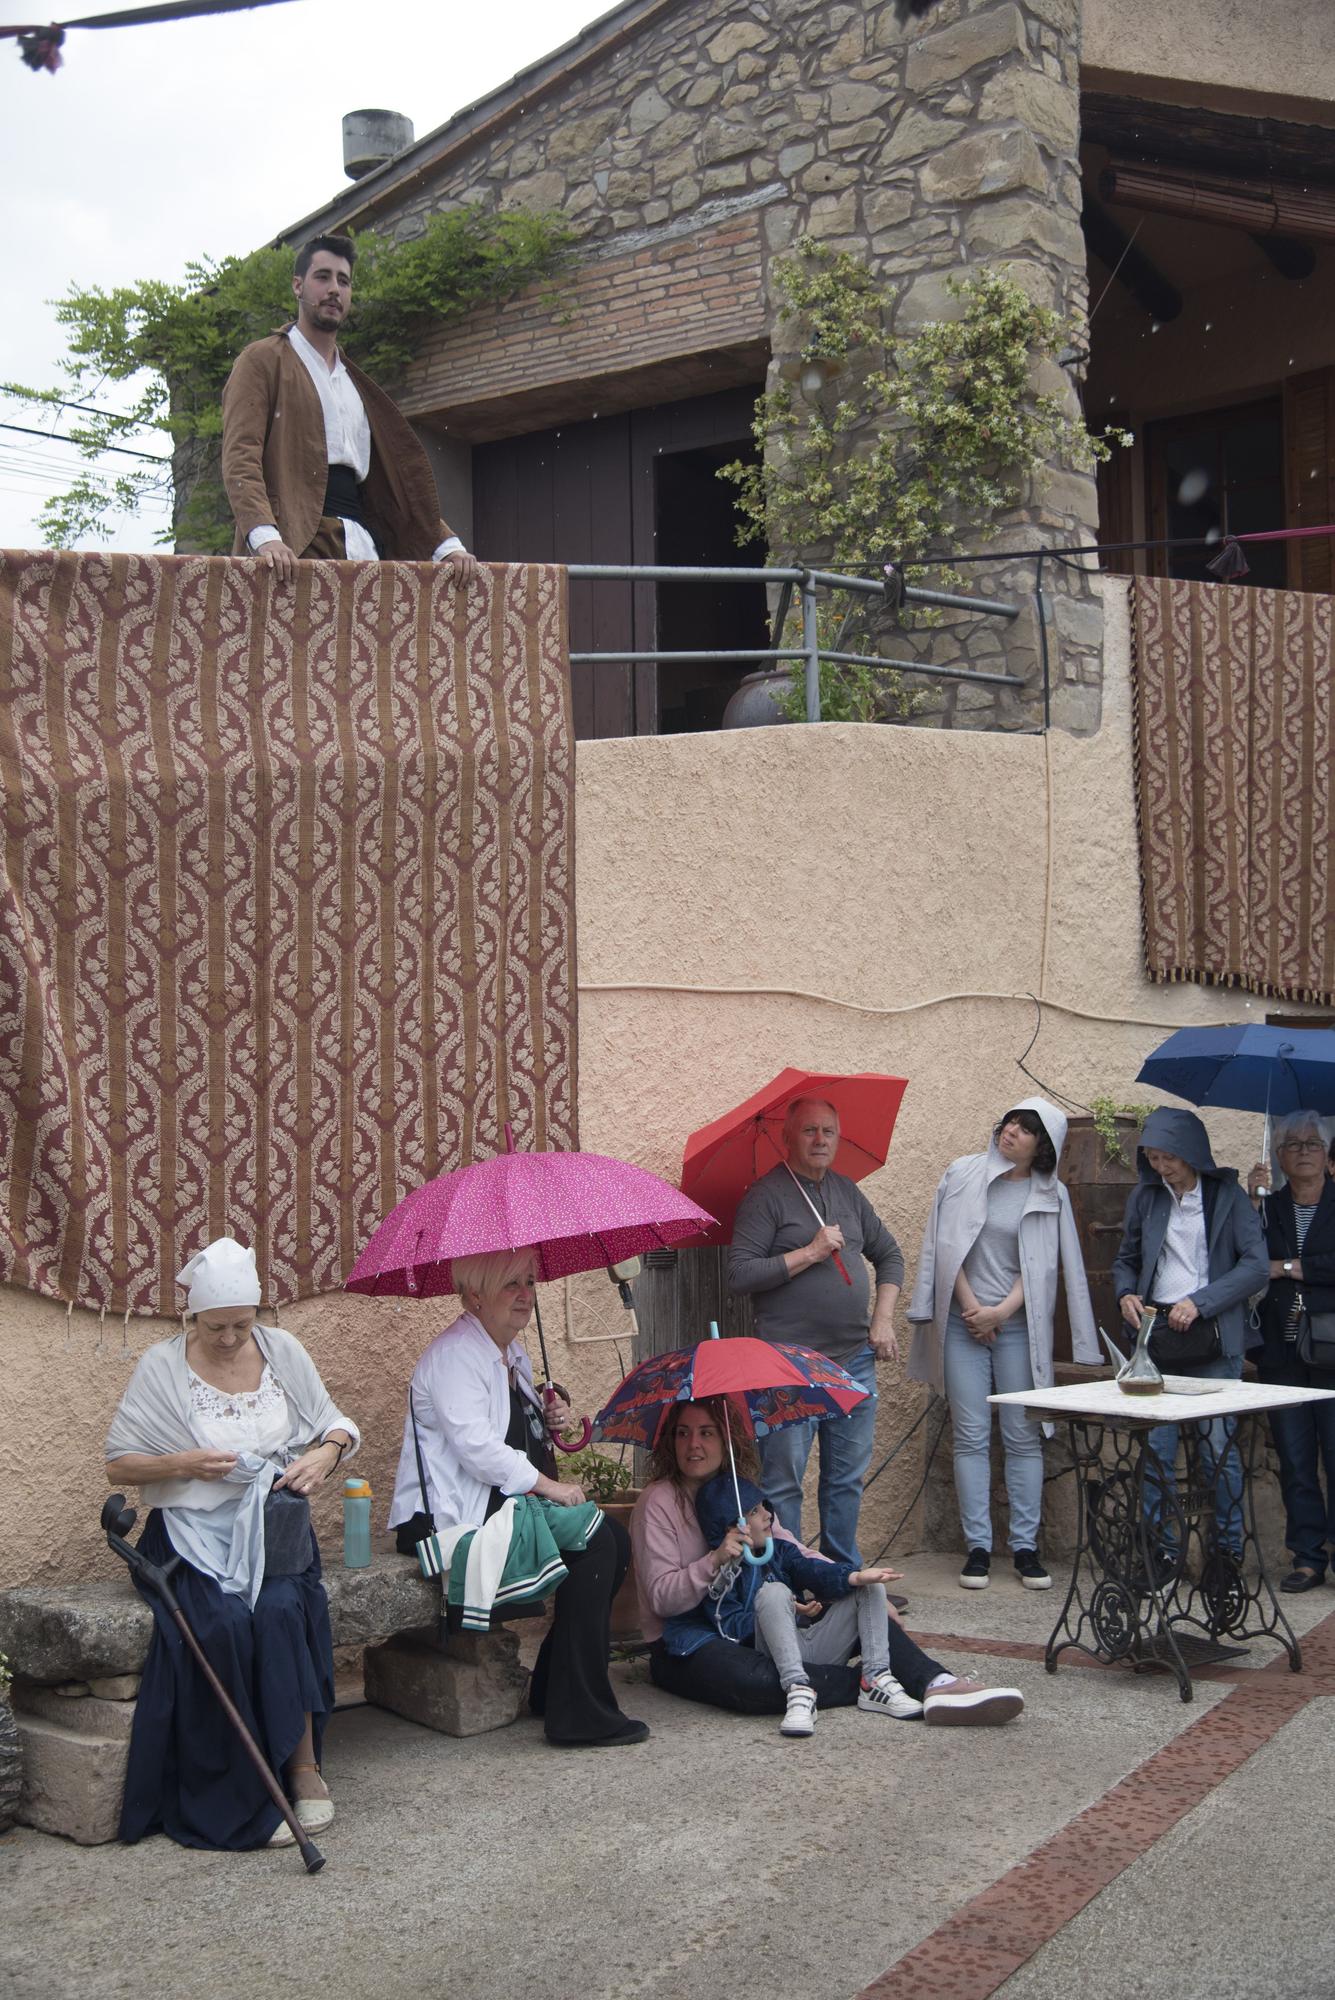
1249,1068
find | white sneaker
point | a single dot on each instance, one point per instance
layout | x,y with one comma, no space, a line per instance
882,1695
800,1715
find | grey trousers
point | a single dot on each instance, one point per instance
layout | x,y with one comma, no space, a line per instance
793,1646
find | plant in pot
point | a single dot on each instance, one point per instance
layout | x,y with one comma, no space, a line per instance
1112,1122
608,1481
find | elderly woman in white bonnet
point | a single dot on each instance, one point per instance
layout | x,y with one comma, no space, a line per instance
227,1429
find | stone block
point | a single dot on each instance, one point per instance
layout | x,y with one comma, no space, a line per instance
89,1717
792,159
1063,15
883,207
473,1684
544,190
953,51
926,299
914,134
843,138
648,110
833,215
1006,225
730,41
72,1783
850,101
826,178
11,1767
66,1632
985,163
722,139
575,141
703,91
1017,96
116,1687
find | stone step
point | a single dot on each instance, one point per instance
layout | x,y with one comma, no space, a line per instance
72,1782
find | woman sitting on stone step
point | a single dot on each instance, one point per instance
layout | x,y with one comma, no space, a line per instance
213,1423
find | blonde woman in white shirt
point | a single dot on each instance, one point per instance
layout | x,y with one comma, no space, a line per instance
474,1416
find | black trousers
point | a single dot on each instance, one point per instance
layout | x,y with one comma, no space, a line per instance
570,1687
730,1676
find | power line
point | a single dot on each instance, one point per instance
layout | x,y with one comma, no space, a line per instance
59,437
53,399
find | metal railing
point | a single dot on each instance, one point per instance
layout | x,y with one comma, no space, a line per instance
807,582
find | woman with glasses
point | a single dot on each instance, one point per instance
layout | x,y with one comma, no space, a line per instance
1299,1219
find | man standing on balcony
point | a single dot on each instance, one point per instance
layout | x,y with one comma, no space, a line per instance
801,1296
316,460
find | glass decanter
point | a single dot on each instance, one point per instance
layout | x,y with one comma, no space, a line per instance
1139,1376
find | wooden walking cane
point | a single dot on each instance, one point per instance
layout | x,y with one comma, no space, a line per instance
117,1521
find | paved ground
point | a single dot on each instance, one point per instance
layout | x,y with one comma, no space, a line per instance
1114,1842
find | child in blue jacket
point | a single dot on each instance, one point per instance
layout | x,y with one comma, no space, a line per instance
754,1604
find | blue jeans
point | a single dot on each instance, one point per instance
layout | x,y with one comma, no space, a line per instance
845,1454
1305,1440
973,1372
1214,1438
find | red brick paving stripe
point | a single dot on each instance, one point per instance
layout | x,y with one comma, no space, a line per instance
977,1950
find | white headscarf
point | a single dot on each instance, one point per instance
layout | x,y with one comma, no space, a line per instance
224,1274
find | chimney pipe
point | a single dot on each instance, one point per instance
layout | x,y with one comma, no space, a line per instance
372,137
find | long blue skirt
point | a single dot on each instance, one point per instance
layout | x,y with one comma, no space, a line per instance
189,1775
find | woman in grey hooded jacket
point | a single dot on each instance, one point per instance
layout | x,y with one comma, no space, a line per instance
983,1305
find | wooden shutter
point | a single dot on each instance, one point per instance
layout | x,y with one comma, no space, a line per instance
1309,455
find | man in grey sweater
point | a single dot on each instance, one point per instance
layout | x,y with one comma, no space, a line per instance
802,1296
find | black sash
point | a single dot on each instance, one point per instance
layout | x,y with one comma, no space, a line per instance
343,496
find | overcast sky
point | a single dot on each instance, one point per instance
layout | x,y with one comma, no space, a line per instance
158,144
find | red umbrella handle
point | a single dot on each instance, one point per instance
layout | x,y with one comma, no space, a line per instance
841,1267
549,1400
585,1433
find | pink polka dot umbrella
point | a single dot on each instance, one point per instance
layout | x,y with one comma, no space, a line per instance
578,1211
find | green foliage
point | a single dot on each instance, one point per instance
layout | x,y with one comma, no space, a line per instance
1106,1111
601,1477
176,343
911,443
847,693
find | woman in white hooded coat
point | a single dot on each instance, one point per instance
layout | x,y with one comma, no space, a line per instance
982,1311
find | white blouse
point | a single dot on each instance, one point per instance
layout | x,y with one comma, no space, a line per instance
254,1420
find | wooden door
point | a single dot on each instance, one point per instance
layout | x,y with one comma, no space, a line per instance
1309,450
590,493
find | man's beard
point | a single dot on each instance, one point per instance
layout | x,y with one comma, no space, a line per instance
326,320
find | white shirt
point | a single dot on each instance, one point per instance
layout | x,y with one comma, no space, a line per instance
1184,1261
461,1394
347,436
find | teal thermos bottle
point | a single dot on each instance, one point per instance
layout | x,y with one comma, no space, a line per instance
356,1523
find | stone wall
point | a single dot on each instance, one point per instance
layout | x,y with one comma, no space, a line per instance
691,146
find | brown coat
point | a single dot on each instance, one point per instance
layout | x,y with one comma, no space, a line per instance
275,466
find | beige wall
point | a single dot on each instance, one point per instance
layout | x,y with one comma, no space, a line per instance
874,899
1219,52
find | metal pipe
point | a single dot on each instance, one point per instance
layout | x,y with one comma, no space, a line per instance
811,646
759,653
922,667
824,579
994,607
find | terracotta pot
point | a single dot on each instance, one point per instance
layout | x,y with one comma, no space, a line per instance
755,704
625,1605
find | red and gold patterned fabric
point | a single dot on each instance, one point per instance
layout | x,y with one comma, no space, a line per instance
1235,785
286,906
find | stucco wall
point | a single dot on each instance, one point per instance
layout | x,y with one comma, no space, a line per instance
849,898
1194,52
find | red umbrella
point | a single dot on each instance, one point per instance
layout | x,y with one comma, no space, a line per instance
721,1160
774,1384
